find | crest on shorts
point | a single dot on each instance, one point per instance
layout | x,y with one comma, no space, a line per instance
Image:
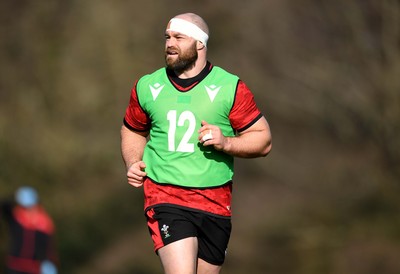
164,229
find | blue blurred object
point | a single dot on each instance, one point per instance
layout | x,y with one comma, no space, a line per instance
48,267
26,196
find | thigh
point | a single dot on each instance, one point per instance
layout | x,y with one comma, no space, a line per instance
179,257
206,268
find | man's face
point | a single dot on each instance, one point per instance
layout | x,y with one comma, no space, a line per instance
180,51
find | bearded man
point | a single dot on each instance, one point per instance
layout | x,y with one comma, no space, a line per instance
183,127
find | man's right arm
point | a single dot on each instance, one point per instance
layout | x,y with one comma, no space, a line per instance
132,147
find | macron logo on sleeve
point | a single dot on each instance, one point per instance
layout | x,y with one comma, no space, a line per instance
155,90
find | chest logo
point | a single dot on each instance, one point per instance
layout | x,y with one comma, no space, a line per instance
155,90
212,91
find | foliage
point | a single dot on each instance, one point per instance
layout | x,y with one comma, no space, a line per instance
325,73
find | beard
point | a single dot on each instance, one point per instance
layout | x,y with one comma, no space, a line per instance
184,61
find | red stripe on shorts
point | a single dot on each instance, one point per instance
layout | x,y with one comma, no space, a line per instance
154,229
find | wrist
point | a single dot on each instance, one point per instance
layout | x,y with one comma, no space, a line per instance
130,164
227,145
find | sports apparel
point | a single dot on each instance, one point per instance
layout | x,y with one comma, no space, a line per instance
168,224
216,200
242,113
173,150
31,238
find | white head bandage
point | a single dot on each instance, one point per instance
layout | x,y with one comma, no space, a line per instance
189,29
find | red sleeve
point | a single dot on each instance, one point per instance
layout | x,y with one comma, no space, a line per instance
135,117
244,112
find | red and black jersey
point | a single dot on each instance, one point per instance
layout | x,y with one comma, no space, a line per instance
31,238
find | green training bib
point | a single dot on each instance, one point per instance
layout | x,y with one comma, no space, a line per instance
173,155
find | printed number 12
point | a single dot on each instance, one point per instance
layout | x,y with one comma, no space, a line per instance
184,145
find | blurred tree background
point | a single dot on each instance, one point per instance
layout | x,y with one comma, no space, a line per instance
325,73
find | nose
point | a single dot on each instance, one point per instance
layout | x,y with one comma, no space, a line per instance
169,42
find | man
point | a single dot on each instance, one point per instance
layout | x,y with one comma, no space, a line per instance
31,244
184,125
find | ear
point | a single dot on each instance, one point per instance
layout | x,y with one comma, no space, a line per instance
200,45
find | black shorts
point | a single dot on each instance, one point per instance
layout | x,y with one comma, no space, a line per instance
168,224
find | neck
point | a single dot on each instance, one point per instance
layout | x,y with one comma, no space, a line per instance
185,84
194,71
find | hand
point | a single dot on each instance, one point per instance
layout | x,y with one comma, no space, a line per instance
47,267
136,174
211,135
